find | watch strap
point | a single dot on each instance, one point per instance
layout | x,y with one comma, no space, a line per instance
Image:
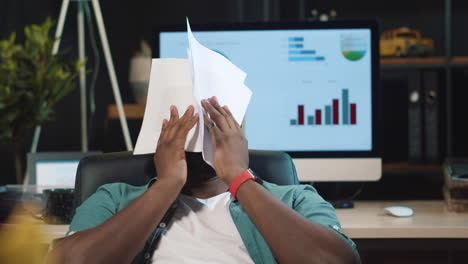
242,177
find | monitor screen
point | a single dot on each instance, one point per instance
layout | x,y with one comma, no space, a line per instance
54,169
312,85
56,173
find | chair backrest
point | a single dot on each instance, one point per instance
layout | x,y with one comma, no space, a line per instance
94,171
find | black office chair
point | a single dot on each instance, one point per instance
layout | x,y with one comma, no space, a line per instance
94,171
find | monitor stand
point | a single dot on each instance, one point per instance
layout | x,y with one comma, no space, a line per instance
343,203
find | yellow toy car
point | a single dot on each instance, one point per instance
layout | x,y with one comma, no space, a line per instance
405,42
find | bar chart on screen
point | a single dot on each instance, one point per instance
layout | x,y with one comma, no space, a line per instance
331,113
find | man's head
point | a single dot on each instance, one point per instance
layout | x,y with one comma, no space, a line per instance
198,170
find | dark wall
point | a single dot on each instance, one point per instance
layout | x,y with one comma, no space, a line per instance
127,22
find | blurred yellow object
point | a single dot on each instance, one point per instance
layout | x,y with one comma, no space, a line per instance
405,42
22,241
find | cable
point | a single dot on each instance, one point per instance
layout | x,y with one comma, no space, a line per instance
356,193
97,64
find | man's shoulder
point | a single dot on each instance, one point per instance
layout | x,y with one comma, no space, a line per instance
122,193
108,200
286,188
121,187
291,192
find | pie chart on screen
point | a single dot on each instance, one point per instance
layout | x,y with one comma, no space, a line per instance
353,46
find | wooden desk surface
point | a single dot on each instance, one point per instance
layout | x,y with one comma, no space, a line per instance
368,221
430,220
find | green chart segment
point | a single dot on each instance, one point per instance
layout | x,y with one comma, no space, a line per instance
331,113
353,47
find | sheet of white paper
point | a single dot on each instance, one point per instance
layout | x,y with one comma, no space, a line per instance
170,84
183,82
214,75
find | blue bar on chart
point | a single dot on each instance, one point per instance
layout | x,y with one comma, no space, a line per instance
296,39
299,52
317,58
310,120
293,122
345,105
328,115
298,46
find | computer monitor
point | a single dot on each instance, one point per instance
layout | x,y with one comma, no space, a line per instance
54,169
315,90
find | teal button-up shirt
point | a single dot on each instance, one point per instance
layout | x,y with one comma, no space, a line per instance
304,199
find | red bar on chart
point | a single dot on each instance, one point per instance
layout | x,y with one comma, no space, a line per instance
335,111
318,117
300,115
353,114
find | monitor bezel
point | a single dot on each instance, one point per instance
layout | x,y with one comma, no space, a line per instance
372,25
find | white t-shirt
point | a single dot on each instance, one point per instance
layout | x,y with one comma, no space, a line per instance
202,231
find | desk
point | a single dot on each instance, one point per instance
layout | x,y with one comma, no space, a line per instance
368,221
430,220
432,235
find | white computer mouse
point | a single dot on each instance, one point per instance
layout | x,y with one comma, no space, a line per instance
399,211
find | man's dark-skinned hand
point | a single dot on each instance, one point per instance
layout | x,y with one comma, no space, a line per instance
169,158
302,241
231,155
117,241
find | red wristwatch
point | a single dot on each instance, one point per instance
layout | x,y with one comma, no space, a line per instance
239,180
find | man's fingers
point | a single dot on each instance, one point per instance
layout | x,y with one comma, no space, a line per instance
190,123
215,115
188,113
230,118
163,128
226,109
189,119
163,131
215,132
174,114
206,118
214,102
164,125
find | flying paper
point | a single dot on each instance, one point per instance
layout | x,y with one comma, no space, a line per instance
170,84
183,82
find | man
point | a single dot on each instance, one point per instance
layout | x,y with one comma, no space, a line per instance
255,222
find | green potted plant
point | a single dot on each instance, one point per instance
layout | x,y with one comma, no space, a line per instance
32,81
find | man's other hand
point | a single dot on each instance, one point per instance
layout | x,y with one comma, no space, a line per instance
231,155
169,158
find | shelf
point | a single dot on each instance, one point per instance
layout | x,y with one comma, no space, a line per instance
412,168
427,60
459,61
132,111
413,63
419,63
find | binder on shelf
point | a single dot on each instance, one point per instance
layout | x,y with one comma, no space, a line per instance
415,143
431,116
